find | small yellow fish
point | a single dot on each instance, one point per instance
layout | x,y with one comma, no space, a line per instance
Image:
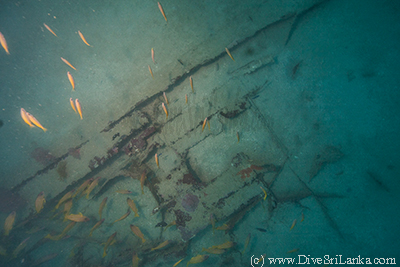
223,227
176,264
83,186
133,207
77,217
35,121
8,224
97,225
302,217
204,124
33,230
165,110
26,118
102,205
237,135
293,250
123,217
142,180
246,243
49,29
165,97
151,72
53,237
265,193
92,186
83,38
124,192
191,83
169,225
39,203
19,248
197,259
65,198
67,62
67,228
71,80
135,259
137,232
152,55
293,224
67,207
163,244
78,107
162,11
186,99
72,104
109,242
4,43
229,53
226,245
156,158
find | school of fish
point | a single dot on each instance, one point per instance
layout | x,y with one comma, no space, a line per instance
87,187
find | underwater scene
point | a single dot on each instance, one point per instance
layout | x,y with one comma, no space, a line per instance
199,133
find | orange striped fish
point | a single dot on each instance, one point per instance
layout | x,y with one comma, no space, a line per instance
71,80
165,110
152,55
66,62
26,118
78,107
166,99
50,30
162,11
191,83
293,224
229,53
35,121
156,158
151,72
204,124
72,104
83,38
4,43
